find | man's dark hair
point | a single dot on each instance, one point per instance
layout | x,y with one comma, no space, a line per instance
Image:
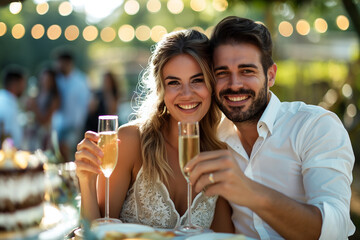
65,55
12,75
235,30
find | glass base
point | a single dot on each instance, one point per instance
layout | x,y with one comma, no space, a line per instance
102,221
190,230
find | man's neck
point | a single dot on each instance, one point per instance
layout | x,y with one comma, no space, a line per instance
247,132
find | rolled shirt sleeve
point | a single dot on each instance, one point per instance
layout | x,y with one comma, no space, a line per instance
328,161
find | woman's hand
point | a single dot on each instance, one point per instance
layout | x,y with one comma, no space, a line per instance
88,157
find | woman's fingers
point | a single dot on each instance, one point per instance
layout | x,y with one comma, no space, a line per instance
83,166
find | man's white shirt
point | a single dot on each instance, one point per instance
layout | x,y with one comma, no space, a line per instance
304,152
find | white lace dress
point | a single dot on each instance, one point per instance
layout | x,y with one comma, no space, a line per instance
150,204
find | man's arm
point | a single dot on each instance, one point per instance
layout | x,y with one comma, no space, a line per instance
291,219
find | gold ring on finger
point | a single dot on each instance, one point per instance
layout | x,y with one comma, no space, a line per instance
211,178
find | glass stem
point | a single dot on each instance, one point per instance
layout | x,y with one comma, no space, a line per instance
107,198
189,202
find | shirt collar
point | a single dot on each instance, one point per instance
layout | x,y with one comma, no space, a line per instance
269,115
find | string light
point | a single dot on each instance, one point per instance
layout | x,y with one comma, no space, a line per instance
2,29
142,33
175,6
320,25
42,8
65,8
157,32
37,31
220,5
285,29
153,6
90,33
342,22
303,27
18,31
71,33
132,7
54,32
15,7
198,5
108,34
126,33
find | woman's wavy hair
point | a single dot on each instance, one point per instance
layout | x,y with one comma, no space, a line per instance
151,113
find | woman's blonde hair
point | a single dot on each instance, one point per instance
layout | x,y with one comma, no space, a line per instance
152,115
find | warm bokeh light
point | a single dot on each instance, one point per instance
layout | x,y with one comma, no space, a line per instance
347,90
142,33
153,6
209,31
132,7
65,8
108,34
37,31
54,32
126,33
71,33
2,29
303,27
90,33
199,29
175,6
351,110
15,7
220,5
198,5
42,8
320,25
331,97
18,31
286,29
157,33
342,22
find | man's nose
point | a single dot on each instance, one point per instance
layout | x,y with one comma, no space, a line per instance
235,80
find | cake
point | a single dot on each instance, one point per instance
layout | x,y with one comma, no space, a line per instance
22,188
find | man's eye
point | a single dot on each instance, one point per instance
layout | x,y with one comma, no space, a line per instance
247,71
220,73
198,80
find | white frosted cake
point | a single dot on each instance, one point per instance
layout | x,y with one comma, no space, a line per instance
22,188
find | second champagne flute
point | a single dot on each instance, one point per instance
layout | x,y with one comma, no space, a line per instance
189,147
107,128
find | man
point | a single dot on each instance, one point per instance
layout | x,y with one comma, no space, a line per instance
14,84
69,120
288,170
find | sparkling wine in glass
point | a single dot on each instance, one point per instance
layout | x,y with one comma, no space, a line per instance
189,147
107,128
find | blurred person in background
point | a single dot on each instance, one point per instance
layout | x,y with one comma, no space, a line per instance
69,120
43,106
103,101
14,85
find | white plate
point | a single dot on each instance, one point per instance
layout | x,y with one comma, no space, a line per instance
212,236
101,230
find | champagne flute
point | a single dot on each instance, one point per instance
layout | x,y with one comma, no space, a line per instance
107,128
189,147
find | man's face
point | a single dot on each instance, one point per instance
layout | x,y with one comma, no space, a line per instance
242,88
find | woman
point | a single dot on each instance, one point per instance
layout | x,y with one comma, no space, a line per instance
147,185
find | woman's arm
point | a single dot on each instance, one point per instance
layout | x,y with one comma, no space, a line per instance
222,219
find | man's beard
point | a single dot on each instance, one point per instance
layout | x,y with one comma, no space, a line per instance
235,114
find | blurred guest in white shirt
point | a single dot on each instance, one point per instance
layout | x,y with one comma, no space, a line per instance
14,84
288,168
69,120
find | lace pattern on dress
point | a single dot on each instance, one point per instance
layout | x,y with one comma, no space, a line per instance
150,203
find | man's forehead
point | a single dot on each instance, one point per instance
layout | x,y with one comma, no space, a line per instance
239,53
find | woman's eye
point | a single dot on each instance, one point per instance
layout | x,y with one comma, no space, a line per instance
173,82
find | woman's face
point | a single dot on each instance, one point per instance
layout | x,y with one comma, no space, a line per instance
186,96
